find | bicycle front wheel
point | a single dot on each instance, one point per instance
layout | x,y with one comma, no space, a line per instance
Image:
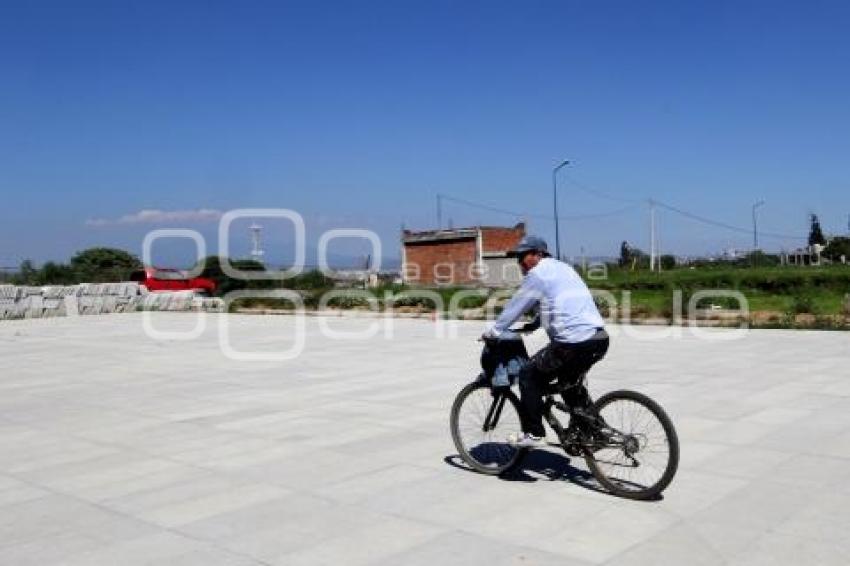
482,420
635,454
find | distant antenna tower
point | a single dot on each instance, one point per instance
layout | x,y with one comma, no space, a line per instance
257,252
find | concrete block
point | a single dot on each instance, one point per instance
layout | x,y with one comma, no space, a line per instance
69,290
8,292
72,307
34,306
51,291
51,302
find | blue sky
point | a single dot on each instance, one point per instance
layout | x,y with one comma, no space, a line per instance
356,114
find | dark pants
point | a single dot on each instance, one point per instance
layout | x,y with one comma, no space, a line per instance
558,365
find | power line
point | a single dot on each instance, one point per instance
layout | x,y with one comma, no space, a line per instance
717,223
720,224
532,215
483,206
601,194
633,204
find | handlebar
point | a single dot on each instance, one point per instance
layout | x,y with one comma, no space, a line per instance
520,330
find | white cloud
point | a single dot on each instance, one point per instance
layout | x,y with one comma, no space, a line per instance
154,216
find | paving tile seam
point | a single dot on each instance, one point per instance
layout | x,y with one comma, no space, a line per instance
155,456
170,459
122,448
683,521
531,550
156,526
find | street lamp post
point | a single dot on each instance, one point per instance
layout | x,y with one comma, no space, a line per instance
555,205
755,225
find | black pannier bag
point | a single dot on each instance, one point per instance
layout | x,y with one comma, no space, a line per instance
502,361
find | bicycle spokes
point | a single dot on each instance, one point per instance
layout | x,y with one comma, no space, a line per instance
482,423
632,447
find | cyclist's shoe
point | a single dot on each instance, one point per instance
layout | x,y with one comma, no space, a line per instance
526,440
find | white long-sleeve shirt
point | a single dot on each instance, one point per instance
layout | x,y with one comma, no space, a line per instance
567,310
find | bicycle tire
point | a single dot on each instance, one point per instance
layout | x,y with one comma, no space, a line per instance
515,456
672,439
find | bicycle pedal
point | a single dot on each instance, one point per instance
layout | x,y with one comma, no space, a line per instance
572,441
573,449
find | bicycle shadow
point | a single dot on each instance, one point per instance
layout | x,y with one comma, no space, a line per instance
544,465
540,465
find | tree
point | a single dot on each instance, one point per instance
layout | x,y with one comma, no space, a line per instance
668,261
56,274
310,280
94,265
837,247
758,258
50,274
640,259
27,274
625,254
631,257
815,233
100,265
224,283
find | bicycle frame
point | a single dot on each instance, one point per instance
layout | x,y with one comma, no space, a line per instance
495,412
553,421
611,437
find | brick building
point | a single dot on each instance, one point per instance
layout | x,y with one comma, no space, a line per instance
461,256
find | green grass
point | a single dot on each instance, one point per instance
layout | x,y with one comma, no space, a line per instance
659,302
820,290
651,302
785,291
779,280
762,301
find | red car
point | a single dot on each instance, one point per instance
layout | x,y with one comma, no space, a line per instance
166,279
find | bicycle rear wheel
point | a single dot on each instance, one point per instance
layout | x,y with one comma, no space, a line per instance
481,421
635,454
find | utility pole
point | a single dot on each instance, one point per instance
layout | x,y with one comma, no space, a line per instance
657,240
439,211
257,251
755,225
652,251
555,205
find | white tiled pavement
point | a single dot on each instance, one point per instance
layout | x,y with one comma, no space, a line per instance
118,449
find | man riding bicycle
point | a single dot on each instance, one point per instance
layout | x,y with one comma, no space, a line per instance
575,328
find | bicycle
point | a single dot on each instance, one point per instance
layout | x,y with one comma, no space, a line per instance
628,441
